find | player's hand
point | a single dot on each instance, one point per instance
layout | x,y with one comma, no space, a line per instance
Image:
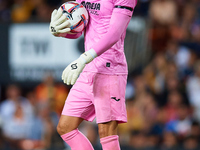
59,26
73,70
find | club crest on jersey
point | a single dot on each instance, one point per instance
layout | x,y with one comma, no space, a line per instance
93,8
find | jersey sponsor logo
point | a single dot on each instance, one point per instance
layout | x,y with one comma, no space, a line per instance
93,8
115,99
74,66
88,5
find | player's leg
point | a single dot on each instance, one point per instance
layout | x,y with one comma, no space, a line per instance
107,129
110,109
108,135
78,107
68,130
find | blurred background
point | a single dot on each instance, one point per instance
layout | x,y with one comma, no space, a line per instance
162,47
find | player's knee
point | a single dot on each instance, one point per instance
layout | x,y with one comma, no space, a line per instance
107,129
63,129
102,132
67,124
60,130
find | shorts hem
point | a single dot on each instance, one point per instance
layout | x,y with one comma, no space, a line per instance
118,120
85,118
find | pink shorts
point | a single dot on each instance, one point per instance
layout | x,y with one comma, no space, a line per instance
97,95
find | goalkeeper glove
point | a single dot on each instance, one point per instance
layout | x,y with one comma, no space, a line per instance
59,26
73,70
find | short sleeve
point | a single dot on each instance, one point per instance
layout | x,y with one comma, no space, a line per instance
124,6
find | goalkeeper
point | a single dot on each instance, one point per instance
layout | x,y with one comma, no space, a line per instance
98,76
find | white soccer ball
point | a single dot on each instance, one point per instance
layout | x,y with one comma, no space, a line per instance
76,14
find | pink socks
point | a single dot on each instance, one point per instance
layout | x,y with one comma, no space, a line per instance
110,142
77,141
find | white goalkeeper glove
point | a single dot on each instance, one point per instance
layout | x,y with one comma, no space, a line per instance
73,70
59,26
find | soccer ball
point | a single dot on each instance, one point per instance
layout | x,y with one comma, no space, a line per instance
76,14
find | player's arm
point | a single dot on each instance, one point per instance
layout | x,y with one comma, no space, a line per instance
117,27
121,15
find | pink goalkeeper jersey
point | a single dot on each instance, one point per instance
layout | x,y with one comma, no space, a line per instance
113,60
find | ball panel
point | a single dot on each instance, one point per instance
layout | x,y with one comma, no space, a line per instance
76,14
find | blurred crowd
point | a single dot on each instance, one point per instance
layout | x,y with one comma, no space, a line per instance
29,121
162,97
21,11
